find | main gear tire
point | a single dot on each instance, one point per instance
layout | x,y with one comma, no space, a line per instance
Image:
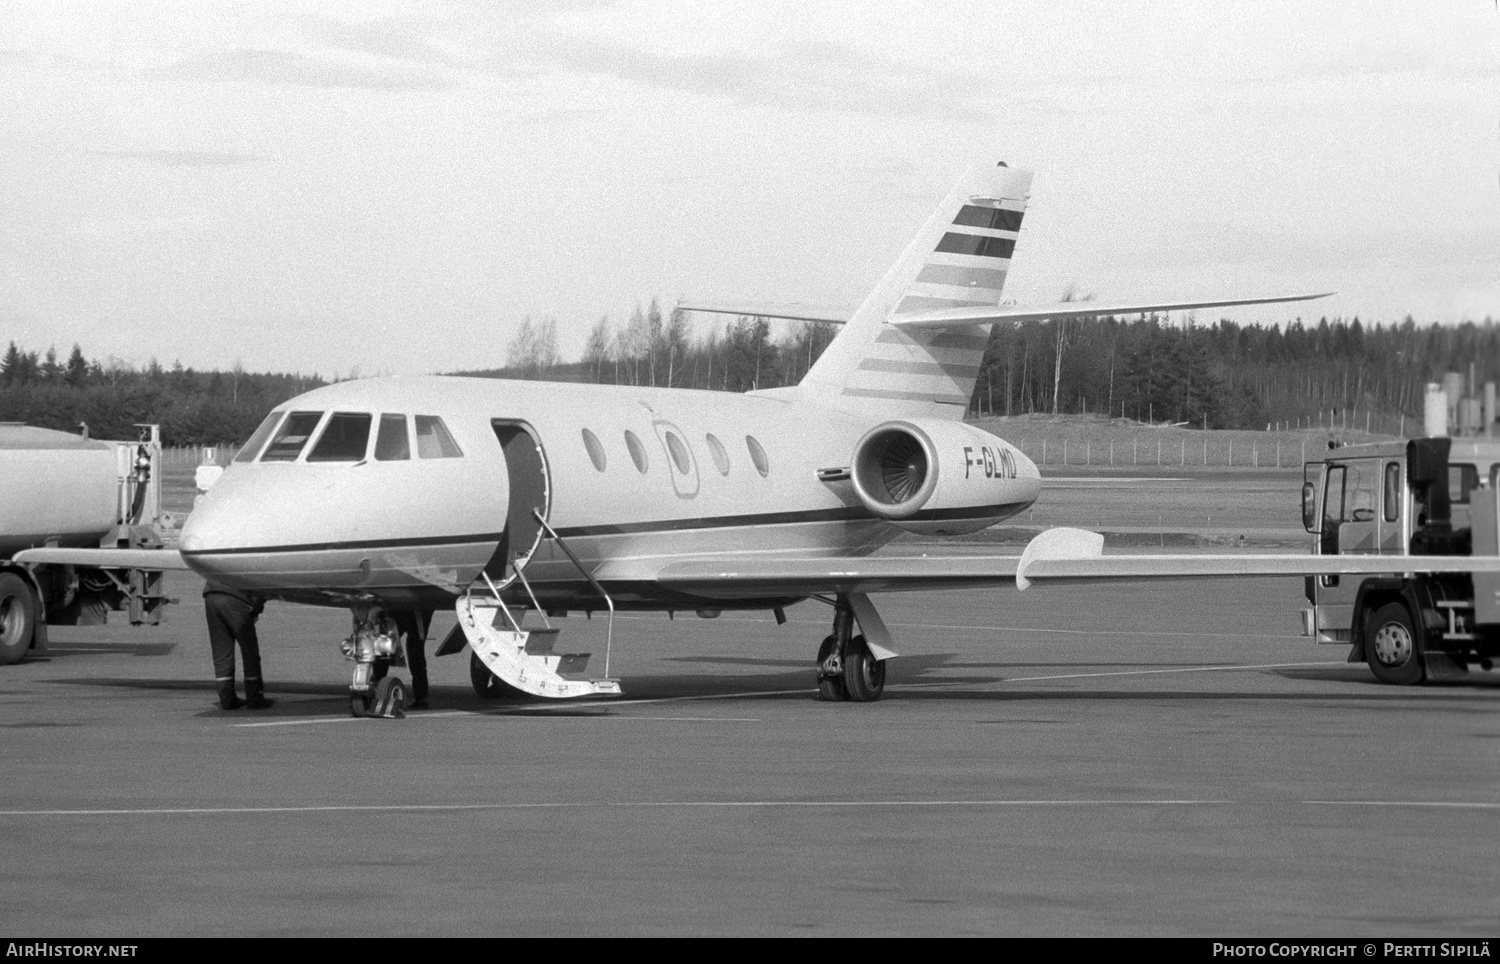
830,688
864,675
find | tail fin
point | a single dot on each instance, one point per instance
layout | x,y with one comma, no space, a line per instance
958,260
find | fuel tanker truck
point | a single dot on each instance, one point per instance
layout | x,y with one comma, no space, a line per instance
67,491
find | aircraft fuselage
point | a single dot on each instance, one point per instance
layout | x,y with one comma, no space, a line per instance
635,478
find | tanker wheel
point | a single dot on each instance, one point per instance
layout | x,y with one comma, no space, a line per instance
17,618
864,675
360,701
487,685
1391,646
830,688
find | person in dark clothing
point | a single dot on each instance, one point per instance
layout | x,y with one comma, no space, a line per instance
231,616
412,626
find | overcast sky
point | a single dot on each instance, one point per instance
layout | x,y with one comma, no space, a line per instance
391,187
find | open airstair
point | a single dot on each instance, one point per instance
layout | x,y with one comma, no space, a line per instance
523,657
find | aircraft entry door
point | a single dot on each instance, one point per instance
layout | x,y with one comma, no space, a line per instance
529,489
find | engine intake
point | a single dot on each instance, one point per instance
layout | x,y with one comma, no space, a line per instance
942,478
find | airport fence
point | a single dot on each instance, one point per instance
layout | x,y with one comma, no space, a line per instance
178,455
1105,444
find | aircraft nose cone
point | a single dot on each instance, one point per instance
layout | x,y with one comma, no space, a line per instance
226,520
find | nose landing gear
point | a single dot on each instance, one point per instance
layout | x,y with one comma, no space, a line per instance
375,639
848,668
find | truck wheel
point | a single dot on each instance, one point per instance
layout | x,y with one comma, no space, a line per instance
1391,646
17,618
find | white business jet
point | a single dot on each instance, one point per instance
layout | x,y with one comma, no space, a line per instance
516,500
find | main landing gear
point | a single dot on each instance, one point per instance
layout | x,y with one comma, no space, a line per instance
847,669
375,639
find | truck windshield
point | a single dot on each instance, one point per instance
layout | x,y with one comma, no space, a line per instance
1462,479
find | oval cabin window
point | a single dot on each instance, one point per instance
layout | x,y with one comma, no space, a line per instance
637,452
721,457
758,456
679,452
596,449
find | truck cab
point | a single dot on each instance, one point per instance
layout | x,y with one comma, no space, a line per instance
1424,497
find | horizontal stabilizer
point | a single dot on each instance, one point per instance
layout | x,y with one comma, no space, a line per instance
153,559
784,311
962,317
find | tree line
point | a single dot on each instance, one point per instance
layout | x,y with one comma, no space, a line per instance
1218,375
112,397
1150,369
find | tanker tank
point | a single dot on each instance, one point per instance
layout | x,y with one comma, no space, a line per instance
59,488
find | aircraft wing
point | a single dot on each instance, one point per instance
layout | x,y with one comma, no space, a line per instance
958,317
153,559
1056,555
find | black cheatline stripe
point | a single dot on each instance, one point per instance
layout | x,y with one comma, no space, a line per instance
996,218
848,513
470,539
978,244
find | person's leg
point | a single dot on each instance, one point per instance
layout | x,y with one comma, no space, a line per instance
413,628
221,641
255,687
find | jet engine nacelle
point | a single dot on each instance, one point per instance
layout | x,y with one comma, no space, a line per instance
941,478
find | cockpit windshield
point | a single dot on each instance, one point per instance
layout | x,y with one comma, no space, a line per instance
344,438
256,442
433,440
292,437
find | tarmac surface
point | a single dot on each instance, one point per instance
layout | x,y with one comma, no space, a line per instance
1167,760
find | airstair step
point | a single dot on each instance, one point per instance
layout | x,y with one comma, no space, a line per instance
539,641
572,665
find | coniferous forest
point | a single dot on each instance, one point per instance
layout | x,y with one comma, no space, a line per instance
1219,375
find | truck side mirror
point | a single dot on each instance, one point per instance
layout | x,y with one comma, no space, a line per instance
1310,507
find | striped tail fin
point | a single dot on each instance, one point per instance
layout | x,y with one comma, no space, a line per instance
958,260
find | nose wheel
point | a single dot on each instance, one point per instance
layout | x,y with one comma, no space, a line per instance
374,647
847,670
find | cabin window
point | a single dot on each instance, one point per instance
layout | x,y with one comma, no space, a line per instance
433,440
595,448
716,449
1392,491
637,452
392,444
345,438
292,436
1462,479
679,453
256,442
758,456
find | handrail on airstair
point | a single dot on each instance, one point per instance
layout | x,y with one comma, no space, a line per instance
609,633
